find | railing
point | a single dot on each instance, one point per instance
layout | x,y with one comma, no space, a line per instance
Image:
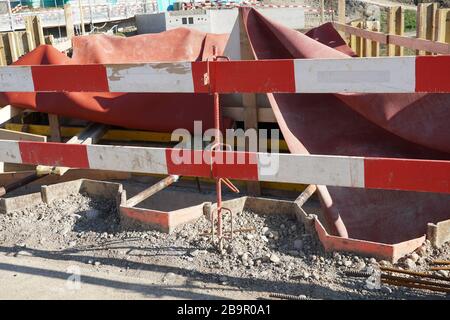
97,13
397,74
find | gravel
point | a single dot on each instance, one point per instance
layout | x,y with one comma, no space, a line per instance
276,255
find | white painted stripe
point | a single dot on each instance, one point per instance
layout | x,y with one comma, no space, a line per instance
129,159
372,75
315,169
16,79
151,77
10,151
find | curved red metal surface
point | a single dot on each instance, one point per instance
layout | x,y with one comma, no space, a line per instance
147,111
385,125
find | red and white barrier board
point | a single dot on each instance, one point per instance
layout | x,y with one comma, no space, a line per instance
343,171
365,75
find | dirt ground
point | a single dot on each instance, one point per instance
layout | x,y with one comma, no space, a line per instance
45,248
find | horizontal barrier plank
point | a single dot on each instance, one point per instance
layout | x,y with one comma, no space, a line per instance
343,171
365,75
367,34
402,41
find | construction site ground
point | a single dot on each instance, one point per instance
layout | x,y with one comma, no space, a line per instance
45,249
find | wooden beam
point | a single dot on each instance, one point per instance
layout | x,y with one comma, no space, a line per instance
91,134
83,31
2,53
356,40
55,135
38,31
399,28
375,26
372,35
13,51
407,42
322,11
148,192
70,33
248,99
341,15
420,44
442,25
426,23
30,33
305,195
111,135
395,27
6,134
237,114
9,112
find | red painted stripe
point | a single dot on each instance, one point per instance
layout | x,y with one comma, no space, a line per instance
54,154
70,78
433,73
236,165
245,76
412,175
185,162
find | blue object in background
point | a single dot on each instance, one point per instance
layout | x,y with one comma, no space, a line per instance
165,5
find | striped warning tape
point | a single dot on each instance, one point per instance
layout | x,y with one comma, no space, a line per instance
369,75
344,171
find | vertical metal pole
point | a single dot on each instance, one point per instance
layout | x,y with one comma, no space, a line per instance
218,182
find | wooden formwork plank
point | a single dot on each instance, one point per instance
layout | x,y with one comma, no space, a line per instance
33,24
442,25
356,41
341,15
113,134
9,112
2,52
375,26
55,129
30,33
248,99
6,134
399,28
426,23
69,21
395,27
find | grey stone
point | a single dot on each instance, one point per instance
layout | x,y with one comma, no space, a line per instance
386,290
274,258
298,244
93,214
443,273
249,236
414,257
409,263
421,251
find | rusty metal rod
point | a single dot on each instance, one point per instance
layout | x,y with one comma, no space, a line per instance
414,285
441,262
164,183
20,183
286,296
440,268
208,232
415,273
415,280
